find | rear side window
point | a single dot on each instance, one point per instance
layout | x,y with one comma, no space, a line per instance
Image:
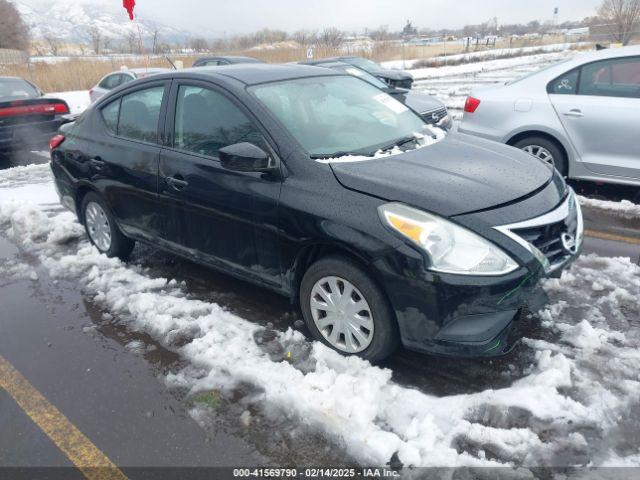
566,84
110,82
612,78
110,115
135,116
206,121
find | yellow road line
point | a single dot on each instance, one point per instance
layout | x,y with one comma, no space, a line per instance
612,236
93,464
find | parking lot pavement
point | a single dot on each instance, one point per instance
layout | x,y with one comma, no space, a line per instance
111,393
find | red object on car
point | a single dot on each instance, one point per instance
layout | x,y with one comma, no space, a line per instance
56,141
129,5
19,108
471,105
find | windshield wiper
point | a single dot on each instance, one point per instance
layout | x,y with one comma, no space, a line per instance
397,143
324,156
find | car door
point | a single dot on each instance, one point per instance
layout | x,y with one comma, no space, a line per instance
599,107
223,217
123,164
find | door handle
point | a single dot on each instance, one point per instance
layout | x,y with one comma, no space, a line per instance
96,163
177,183
575,113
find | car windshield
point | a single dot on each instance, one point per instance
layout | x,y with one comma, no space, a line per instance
365,64
339,115
15,88
363,75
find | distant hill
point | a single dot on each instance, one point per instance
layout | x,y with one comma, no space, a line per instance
70,21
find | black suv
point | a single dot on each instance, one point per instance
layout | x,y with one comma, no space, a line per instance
323,188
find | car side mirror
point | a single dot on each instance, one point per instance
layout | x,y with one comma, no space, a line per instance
245,157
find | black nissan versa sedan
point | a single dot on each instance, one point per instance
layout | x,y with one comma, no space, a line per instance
321,187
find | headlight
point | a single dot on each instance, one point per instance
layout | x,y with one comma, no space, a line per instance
451,248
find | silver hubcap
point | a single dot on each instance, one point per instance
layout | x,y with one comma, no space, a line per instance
341,314
540,152
98,226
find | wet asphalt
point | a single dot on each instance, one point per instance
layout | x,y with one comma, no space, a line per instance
84,365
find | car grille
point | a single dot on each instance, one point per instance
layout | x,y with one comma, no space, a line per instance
434,116
548,238
543,235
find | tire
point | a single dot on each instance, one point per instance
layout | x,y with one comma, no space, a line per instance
559,159
118,245
383,339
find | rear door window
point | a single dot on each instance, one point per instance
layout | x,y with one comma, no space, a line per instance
136,116
618,77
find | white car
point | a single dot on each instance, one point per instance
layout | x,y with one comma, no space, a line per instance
115,79
581,115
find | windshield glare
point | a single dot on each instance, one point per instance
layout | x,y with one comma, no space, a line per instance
366,76
340,115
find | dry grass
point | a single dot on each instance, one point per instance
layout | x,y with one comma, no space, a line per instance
83,73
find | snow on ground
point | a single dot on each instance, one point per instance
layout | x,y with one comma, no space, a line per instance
77,100
484,55
577,403
453,84
625,208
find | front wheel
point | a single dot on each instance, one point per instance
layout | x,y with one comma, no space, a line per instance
545,150
346,310
102,230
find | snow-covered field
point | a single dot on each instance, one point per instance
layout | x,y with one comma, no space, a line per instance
452,84
576,400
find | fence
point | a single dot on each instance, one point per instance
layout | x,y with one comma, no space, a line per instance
9,57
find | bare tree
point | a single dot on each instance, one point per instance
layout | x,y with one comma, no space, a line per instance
154,40
96,39
132,42
14,33
622,18
53,43
199,44
330,37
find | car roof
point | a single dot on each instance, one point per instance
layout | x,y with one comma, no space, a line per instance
629,51
231,58
255,73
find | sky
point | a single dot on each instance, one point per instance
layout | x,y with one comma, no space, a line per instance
217,18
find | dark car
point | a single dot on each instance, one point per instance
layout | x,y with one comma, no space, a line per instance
393,78
432,110
322,188
27,118
224,60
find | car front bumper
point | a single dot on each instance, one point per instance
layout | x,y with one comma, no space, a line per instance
468,315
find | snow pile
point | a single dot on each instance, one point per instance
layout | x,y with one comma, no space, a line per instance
625,208
570,406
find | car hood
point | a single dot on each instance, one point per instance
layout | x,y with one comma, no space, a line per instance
418,101
460,174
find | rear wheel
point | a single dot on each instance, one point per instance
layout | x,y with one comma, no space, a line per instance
345,309
546,150
102,230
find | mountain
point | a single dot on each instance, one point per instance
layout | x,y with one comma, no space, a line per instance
70,21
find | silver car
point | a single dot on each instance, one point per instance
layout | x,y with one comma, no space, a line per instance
115,79
581,115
